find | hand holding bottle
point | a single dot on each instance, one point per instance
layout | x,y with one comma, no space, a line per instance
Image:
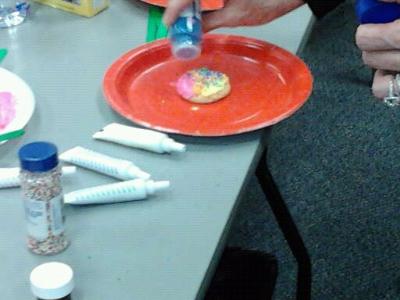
380,46
235,12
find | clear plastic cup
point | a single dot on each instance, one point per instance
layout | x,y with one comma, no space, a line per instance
13,12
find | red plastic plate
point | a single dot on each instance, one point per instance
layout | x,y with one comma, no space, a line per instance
268,85
205,4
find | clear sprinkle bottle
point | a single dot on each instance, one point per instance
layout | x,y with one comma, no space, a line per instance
186,33
40,178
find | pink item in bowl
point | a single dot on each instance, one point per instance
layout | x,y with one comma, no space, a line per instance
7,109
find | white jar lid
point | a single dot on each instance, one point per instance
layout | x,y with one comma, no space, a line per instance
52,280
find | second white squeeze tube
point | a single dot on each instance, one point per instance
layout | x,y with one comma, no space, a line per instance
139,138
118,168
136,189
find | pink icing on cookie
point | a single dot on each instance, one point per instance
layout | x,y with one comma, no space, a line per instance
185,85
7,109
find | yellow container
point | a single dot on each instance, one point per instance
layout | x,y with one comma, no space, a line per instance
87,8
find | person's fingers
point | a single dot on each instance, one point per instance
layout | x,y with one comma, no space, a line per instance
380,86
374,37
219,18
383,60
173,9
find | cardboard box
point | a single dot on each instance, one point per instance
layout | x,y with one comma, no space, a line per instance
87,8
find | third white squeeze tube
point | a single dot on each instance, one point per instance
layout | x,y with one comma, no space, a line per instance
118,168
139,138
130,190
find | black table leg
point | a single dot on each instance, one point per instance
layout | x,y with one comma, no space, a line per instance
288,228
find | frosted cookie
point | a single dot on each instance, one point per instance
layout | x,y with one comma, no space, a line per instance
7,109
203,85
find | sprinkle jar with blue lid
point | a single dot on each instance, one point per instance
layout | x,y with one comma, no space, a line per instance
43,199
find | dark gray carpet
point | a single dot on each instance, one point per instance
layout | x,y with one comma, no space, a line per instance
337,164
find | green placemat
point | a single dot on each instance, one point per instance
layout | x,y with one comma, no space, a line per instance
155,27
11,135
3,53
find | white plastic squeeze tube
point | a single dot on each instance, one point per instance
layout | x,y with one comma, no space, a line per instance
118,168
9,177
136,189
139,138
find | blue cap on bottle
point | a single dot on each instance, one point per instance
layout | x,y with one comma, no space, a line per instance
38,157
377,12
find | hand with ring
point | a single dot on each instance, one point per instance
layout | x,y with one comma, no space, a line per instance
380,45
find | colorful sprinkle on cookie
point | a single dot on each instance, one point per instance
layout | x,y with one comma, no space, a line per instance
203,85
